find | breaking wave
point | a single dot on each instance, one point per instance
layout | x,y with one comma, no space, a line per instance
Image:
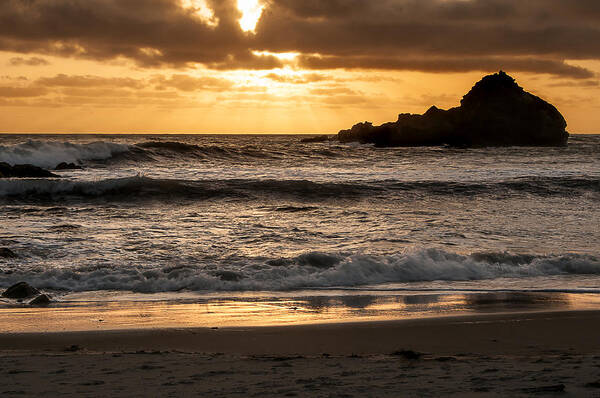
146,188
310,270
48,154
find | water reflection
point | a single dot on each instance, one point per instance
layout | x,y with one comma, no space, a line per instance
422,299
484,302
358,302
283,310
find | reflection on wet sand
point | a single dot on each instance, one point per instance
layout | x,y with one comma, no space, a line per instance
262,311
484,302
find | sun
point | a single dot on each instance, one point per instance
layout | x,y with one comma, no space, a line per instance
251,11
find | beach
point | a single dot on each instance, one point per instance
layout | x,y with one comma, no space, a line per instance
516,354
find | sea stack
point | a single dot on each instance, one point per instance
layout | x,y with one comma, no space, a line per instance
496,112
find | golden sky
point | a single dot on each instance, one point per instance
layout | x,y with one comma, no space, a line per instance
283,66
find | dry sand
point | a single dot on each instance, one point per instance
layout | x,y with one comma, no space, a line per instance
540,354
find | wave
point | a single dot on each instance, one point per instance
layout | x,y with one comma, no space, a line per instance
48,154
146,188
311,270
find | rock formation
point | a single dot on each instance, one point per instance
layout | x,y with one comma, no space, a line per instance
496,112
20,290
23,171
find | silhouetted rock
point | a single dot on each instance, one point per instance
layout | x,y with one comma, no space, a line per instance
408,354
23,171
42,299
319,138
496,112
20,290
7,253
67,166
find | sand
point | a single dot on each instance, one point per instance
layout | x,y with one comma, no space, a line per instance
541,354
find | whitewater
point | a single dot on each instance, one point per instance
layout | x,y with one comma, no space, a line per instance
205,214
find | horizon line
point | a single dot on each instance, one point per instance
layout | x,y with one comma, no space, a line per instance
182,133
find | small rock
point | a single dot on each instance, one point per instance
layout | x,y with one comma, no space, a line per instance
446,359
23,171
42,299
593,384
408,354
7,253
5,169
20,290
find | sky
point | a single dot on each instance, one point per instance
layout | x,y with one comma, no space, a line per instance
283,66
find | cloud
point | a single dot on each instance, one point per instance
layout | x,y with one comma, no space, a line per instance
21,92
578,84
63,80
298,79
33,61
538,36
62,89
447,64
189,83
333,91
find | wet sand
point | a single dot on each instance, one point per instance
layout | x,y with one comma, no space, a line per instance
539,354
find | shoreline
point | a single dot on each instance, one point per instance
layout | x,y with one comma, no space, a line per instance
305,308
519,331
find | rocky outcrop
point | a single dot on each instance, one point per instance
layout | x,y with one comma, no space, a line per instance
20,291
23,171
496,112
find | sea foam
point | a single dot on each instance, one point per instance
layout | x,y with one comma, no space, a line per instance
310,270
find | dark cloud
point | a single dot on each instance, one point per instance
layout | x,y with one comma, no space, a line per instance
33,61
438,64
62,80
577,84
427,35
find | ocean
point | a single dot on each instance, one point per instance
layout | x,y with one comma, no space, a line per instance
187,218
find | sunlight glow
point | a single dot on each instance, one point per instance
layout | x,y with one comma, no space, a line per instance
289,56
201,10
251,11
